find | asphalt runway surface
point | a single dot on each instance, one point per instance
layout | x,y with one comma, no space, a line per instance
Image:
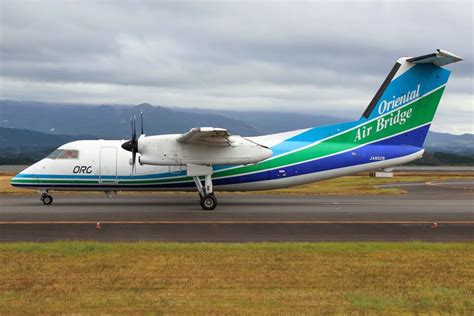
246,217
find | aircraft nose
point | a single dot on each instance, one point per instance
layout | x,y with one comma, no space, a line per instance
23,177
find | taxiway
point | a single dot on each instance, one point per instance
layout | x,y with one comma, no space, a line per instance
246,217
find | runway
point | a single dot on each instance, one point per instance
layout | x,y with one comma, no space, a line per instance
246,217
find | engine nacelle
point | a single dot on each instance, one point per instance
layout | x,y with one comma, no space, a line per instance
166,150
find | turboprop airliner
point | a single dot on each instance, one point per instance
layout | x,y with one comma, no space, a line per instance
390,132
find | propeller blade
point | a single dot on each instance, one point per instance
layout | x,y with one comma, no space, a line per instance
141,119
134,132
134,159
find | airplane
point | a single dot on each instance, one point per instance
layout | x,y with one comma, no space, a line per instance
390,132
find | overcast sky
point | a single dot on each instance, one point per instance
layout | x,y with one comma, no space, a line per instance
313,57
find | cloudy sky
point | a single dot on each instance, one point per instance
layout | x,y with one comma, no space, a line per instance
312,57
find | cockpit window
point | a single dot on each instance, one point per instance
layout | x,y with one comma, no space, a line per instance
55,154
64,154
69,154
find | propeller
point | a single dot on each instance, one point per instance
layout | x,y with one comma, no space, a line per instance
132,145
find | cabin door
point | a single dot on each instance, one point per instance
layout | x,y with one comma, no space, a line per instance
108,165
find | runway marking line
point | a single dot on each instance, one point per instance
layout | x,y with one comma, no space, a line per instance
446,185
225,222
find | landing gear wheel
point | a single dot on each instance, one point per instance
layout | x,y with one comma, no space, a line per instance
46,199
208,202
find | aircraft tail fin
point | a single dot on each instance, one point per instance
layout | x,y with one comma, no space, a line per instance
408,97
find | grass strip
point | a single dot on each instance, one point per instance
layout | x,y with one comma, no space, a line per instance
283,278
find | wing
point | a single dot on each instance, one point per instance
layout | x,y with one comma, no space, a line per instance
206,135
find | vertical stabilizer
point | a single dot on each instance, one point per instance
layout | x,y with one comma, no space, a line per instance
411,92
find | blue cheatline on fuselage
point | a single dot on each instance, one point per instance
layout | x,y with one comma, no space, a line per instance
397,146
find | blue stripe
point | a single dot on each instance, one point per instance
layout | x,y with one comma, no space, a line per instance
311,136
413,138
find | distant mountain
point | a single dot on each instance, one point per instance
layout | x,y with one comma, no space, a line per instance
443,159
108,121
444,142
17,138
23,155
274,122
113,122
22,146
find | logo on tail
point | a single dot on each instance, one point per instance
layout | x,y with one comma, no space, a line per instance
387,106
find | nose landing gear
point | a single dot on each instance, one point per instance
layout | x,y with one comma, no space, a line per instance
46,198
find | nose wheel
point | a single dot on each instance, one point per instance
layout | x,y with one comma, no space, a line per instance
208,200
46,198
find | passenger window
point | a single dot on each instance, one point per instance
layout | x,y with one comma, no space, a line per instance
69,154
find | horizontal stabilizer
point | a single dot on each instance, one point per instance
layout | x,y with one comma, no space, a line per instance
440,58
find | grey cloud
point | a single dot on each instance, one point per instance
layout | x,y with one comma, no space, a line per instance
217,49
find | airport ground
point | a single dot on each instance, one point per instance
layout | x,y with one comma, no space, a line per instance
435,206
292,276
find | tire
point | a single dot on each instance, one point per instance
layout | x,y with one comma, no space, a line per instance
47,199
209,202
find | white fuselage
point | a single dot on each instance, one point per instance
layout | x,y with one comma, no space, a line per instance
103,165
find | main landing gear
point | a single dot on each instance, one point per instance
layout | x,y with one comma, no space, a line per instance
208,200
46,198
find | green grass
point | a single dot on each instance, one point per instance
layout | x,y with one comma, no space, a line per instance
254,278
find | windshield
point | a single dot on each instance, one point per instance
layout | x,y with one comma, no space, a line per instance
55,154
64,154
